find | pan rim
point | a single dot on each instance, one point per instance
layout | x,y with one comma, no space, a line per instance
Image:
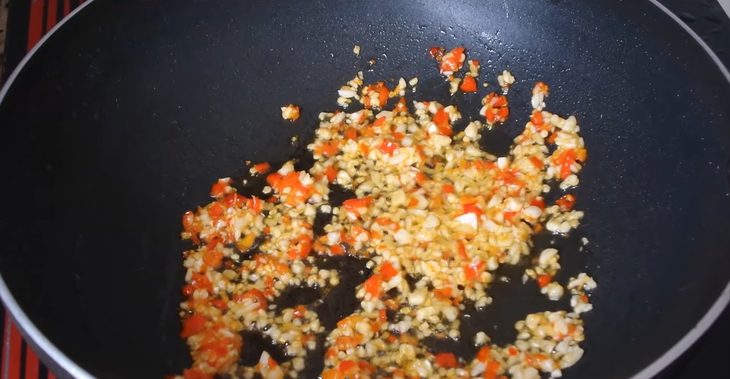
64,366
46,350
704,324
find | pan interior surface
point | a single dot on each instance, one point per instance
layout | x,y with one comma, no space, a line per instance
123,119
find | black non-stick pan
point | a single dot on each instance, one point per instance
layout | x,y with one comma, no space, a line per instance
123,117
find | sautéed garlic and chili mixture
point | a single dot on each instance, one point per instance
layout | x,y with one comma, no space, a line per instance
422,219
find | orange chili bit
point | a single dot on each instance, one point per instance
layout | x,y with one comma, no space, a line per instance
443,293
447,360
300,311
401,106
472,208
353,205
461,248
383,93
493,368
193,325
566,202
383,221
215,210
543,280
261,168
388,147
273,179
337,249
495,100
490,116
346,366
412,203
332,373
301,249
541,87
387,271
328,149
474,269
452,61
468,85
509,215
565,160
188,221
509,177
538,202
233,200
537,162
420,178
441,119
219,303
201,281
254,203
220,188
372,285
331,173
437,53
382,315
305,246
212,258
502,114
537,119
347,342
364,149
484,165
496,108
484,354
188,290
351,133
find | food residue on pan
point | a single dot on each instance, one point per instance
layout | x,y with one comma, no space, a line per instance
417,218
290,112
505,80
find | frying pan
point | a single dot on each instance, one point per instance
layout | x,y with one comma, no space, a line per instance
119,122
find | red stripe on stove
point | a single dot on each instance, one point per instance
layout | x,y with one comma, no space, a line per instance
35,23
6,347
51,376
66,7
52,14
31,364
13,358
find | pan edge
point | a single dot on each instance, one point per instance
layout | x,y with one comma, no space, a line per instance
712,314
54,358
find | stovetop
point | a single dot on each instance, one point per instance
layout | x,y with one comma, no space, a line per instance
29,20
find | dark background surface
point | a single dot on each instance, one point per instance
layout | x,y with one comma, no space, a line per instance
707,357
